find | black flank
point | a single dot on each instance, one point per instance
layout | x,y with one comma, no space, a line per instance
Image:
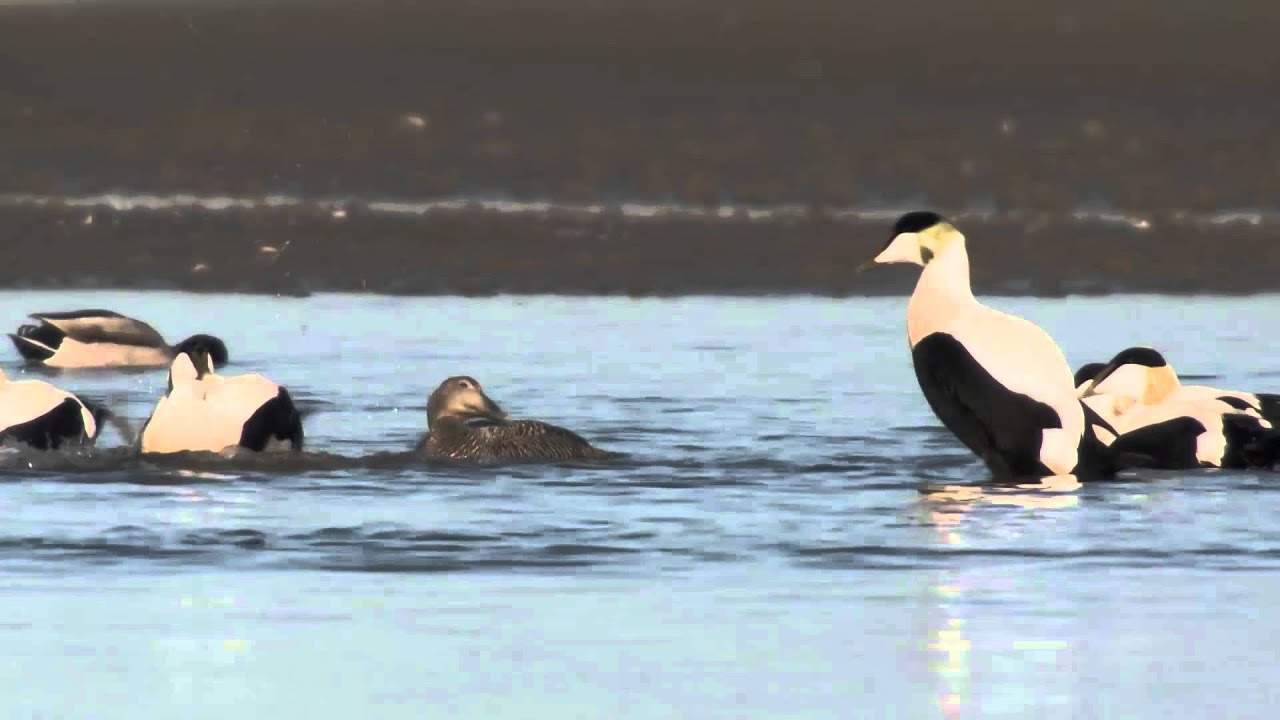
1002,427
278,418
49,431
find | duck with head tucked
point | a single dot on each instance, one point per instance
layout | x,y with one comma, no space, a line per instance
206,412
103,338
463,423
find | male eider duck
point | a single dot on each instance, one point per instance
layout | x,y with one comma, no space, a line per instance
102,338
463,423
1142,375
1187,433
997,381
38,414
206,412
1177,426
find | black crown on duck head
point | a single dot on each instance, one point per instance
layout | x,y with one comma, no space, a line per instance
915,221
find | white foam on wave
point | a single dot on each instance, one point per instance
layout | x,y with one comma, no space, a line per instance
338,208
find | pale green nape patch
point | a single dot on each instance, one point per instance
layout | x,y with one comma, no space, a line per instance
936,238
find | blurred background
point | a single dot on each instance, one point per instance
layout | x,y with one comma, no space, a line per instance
585,146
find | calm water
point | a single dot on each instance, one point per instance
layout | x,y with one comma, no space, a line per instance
791,536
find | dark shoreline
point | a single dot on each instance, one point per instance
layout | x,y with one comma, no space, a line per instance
1153,109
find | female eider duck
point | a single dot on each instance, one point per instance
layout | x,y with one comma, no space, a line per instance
38,414
463,423
206,412
1174,426
102,338
997,381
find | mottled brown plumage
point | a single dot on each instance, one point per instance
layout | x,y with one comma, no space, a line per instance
465,424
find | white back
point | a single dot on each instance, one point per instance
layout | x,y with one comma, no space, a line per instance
205,414
1203,392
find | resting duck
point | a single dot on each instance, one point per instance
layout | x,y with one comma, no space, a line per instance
206,412
463,423
38,414
102,338
1141,375
1177,426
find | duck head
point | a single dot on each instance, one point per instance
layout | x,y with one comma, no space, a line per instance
462,398
1136,374
917,238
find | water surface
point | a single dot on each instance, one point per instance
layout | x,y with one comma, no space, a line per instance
791,534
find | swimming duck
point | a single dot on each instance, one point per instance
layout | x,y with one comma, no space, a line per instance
463,423
45,417
206,412
995,380
102,338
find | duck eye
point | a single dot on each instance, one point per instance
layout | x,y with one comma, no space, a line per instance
464,385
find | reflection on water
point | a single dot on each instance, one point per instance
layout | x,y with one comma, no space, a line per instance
948,503
953,596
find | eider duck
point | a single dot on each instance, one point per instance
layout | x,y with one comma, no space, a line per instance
995,380
42,416
102,338
206,412
1188,433
463,423
1176,426
1142,375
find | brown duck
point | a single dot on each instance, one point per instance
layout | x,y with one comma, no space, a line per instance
465,424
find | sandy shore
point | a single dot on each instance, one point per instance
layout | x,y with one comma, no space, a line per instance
1147,108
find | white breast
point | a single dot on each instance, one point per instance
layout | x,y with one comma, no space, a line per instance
1017,353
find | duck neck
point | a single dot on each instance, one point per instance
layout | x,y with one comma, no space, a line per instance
447,427
948,272
942,292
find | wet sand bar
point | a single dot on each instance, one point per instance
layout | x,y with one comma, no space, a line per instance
1148,108
473,252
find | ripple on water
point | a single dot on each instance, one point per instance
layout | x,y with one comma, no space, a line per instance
744,442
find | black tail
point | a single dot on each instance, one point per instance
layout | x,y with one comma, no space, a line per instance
1269,408
1249,444
277,419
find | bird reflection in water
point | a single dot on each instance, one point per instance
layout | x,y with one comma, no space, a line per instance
949,643
948,504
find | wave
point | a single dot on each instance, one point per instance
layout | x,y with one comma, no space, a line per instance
341,208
